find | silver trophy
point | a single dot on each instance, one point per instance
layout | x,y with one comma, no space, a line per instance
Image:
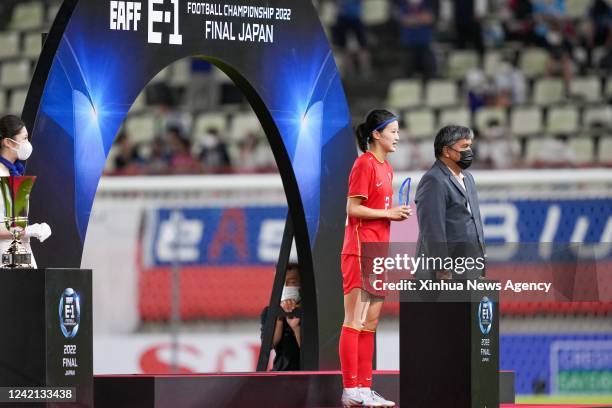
16,199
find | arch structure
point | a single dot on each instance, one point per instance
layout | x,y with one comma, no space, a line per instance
100,54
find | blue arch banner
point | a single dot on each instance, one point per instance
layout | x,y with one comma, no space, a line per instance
101,54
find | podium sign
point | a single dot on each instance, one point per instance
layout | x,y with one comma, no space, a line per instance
449,351
46,337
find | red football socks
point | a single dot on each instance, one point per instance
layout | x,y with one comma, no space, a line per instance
349,354
366,353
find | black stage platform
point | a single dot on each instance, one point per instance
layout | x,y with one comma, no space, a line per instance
264,389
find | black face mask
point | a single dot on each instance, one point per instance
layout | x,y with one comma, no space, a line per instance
467,156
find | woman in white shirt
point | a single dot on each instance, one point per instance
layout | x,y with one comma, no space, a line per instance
15,148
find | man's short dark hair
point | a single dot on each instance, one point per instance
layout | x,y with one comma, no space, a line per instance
449,135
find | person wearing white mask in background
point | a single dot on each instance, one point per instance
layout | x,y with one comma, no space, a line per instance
286,340
15,148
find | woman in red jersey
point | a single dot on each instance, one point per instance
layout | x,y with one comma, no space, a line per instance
369,215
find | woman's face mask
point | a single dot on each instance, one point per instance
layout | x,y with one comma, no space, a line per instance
24,149
291,292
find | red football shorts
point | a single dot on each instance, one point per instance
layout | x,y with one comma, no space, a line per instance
352,277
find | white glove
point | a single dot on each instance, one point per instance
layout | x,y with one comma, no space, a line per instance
40,231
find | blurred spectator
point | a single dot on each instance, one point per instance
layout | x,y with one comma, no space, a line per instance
518,21
213,152
287,329
510,84
255,155
550,33
180,159
127,160
348,21
417,22
468,23
598,28
605,64
478,89
497,148
158,161
493,33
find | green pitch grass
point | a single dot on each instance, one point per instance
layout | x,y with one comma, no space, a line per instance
560,399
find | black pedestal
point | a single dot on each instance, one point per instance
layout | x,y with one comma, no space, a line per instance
46,331
449,356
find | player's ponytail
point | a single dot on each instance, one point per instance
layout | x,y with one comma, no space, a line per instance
377,119
363,136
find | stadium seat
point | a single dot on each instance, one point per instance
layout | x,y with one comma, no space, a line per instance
27,16
440,93
32,45
17,101
598,116
180,72
531,151
219,76
206,121
109,164
609,88
9,45
375,12
327,11
605,150
403,161
484,115
15,74
526,121
243,123
583,149
577,8
426,152
548,91
52,11
460,62
420,123
533,62
537,146
404,93
139,104
587,88
562,120
162,76
141,128
492,60
455,116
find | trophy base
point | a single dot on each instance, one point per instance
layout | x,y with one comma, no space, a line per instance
16,260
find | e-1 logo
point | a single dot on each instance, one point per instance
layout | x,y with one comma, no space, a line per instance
165,17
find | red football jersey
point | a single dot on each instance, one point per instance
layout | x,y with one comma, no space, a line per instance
372,180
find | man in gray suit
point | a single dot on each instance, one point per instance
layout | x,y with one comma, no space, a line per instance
448,213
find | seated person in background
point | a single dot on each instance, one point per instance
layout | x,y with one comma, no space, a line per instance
418,24
181,160
349,21
213,152
518,21
286,340
497,148
553,33
127,160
